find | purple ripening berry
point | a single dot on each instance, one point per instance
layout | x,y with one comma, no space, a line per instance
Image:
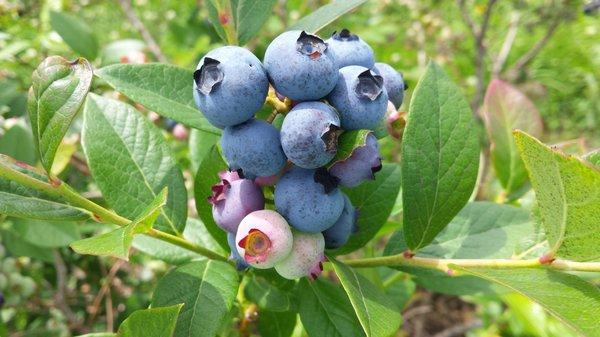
233,198
306,258
361,165
264,238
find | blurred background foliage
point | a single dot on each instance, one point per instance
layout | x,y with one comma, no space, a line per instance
548,49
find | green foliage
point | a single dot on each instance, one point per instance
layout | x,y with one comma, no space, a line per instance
207,289
154,322
17,142
325,15
162,88
131,163
347,143
440,157
58,90
567,197
571,299
47,234
76,33
276,324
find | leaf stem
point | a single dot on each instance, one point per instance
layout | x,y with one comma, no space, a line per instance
58,188
445,265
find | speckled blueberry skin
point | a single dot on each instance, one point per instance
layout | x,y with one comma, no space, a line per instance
393,82
362,164
304,203
351,50
275,228
233,198
338,234
306,257
254,147
233,88
301,66
309,134
240,263
360,98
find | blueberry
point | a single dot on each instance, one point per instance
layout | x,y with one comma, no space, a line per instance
309,134
362,164
254,147
230,86
302,198
301,66
264,238
234,198
351,50
338,234
393,82
359,97
306,257
235,256
1,299
170,124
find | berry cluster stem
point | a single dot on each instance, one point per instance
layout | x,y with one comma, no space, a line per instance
445,265
58,188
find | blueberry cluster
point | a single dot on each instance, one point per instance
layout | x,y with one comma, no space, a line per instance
333,86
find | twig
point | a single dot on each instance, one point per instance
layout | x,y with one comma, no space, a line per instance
460,330
60,297
506,46
104,290
139,25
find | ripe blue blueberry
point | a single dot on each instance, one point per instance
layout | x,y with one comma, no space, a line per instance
361,165
233,198
235,256
393,82
301,66
253,147
230,86
338,234
264,238
351,50
360,98
307,201
306,257
309,134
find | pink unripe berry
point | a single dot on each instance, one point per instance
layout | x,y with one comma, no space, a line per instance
264,238
306,258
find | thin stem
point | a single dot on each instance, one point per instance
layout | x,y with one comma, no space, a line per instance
141,28
445,265
60,189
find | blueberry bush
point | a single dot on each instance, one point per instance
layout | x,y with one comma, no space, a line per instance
300,224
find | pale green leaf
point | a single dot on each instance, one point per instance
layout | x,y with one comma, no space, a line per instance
131,162
325,15
567,191
200,144
207,288
251,15
378,315
35,208
48,234
440,157
571,299
58,90
153,322
17,142
76,33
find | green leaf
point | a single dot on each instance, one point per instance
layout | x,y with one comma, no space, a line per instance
374,201
153,322
76,33
267,296
207,288
199,145
194,231
347,143
17,142
593,157
325,15
505,108
276,324
480,230
48,234
571,299
251,15
378,316
58,90
131,162
222,14
567,191
36,208
440,157
326,311
18,246
99,334
206,177
117,242
162,88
